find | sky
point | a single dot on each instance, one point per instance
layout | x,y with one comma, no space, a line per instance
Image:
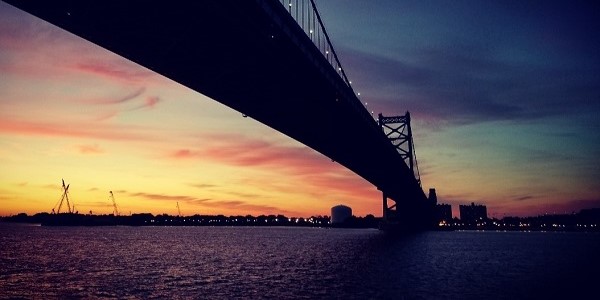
504,98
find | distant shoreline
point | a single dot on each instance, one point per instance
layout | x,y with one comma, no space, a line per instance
146,219
585,221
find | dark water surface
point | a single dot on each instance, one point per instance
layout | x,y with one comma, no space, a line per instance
275,262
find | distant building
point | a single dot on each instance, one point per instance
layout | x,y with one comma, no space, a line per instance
340,213
443,212
432,196
470,214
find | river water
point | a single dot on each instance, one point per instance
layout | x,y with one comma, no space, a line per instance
287,262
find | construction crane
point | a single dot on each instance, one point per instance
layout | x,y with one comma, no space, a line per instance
112,197
65,195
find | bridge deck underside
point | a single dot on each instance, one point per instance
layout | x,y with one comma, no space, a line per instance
233,52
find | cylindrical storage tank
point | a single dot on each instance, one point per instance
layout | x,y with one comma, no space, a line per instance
340,213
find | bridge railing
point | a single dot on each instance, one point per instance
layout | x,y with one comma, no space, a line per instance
307,16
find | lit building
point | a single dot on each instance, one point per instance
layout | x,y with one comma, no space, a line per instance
340,213
443,212
470,214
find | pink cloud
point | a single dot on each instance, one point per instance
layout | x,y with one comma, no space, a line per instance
300,164
243,207
90,149
86,130
151,101
106,115
235,205
112,69
117,100
183,154
242,151
132,97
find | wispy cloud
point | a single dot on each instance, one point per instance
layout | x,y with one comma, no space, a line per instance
245,195
117,100
90,149
296,163
87,130
453,85
242,151
222,205
184,154
132,97
106,115
523,198
163,197
120,70
203,185
51,186
245,207
150,102
102,204
297,171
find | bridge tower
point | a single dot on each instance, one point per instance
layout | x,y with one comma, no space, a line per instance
398,130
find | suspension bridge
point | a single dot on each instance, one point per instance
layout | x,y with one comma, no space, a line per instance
271,60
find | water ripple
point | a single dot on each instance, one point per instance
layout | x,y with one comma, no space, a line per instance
290,263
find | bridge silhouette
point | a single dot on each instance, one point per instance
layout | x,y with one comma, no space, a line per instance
271,60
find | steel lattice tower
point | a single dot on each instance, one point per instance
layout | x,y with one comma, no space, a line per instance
397,129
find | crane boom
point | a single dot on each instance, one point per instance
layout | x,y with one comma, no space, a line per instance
64,196
112,197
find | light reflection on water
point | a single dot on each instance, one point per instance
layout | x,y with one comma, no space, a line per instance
275,262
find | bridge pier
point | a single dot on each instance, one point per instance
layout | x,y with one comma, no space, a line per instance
408,215
391,216
385,207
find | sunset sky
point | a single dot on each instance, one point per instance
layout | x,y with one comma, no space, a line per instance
504,96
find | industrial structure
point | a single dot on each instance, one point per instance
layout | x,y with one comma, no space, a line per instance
271,60
398,130
64,198
340,213
115,210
